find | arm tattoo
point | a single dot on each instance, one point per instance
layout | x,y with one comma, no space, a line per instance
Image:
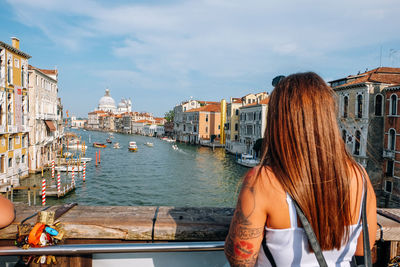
241,253
239,214
242,232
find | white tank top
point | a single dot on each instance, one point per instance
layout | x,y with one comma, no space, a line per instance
289,247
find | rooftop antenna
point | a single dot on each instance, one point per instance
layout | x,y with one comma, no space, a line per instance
392,54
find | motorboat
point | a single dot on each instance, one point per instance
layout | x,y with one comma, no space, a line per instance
149,144
68,168
108,140
116,145
76,147
175,147
248,161
99,145
132,146
170,140
86,159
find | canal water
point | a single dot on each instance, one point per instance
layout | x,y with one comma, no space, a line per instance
190,176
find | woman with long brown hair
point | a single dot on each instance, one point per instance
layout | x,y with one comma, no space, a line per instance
304,160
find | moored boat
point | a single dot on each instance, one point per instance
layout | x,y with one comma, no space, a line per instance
76,147
100,145
248,161
132,146
68,168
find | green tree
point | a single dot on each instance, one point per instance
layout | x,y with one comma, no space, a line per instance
169,116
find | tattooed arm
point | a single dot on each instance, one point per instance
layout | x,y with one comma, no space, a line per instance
247,227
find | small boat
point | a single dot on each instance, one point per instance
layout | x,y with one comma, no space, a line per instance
70,168
100,145
111,135
175,147
132,146
109,140
116,145
170,140
67,154
248,161
76,147
149,144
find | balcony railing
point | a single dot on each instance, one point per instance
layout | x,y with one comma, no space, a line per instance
388,154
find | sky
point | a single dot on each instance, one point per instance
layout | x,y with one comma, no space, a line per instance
160,53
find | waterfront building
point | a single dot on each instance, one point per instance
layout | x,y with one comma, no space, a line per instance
360,117
107,103
388,106
44,115
233,142
78,123
252,121
201,125
138,126
13,114
93,119
179,110
124,106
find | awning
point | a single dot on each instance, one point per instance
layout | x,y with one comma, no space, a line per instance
51,126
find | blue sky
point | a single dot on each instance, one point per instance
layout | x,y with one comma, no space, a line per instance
160,53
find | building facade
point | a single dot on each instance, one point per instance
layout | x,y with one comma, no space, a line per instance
13,114
45,133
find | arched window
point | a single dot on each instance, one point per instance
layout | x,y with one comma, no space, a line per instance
393,105
344,133
345,106
359,106
357,143
392,139
378,105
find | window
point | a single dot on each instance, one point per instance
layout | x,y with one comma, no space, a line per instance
248,101
237,112
389,168
236,126
345,106
23,76
207,117
10,162
344,135
2,164
206,129
236,137
9,72
254,116
357,143
378,105
392,139
219,127
249,129
359,106
23,159
393,105
10,144
17,140
388,186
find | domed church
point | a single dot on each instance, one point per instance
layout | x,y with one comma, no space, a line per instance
107,103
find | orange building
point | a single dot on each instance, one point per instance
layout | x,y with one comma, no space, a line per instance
202,124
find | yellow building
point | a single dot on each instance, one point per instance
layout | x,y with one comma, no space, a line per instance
13,114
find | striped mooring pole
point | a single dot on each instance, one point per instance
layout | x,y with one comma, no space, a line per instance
43,191
73,177
84,171
52,169
58,182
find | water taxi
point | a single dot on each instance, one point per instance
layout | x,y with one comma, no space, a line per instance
247,161
100,145
149,144
116,145
108,140
132,146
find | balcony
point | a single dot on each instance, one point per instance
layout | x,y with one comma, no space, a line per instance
389,154
11,128
2,129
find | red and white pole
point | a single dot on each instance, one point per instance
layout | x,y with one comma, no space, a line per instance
84,171
58,182
52,169
43,192
73,176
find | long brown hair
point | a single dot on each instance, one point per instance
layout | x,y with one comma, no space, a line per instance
304,148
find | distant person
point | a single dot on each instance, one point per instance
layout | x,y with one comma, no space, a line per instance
7,214
304,159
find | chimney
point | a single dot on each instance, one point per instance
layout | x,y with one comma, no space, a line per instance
15,42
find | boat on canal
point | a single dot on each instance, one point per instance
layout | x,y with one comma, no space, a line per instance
149,144
99,145
108,140
76,147
116,145
175,147
248,161
132,146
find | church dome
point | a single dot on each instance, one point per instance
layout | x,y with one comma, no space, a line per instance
107,103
